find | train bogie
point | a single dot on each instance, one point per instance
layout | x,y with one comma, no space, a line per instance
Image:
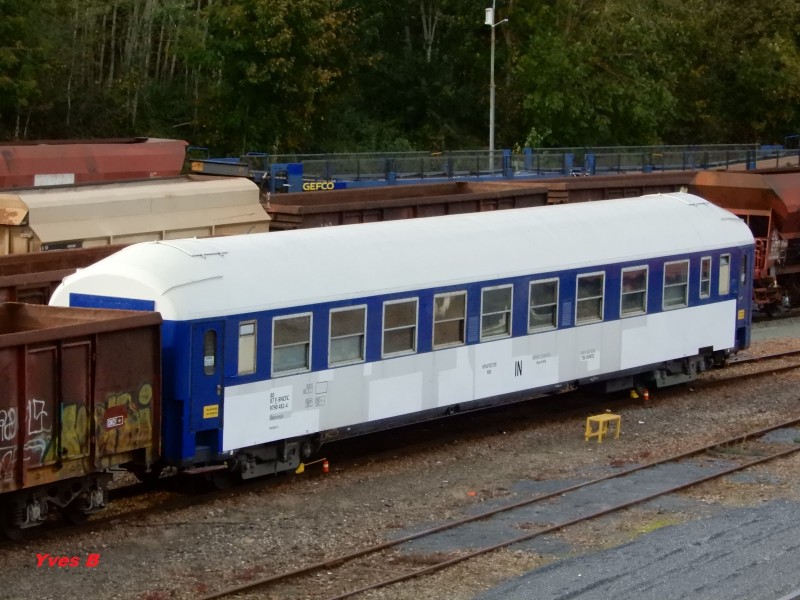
81,395
274,343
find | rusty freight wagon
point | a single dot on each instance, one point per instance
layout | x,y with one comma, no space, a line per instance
81,394
769,202
67,162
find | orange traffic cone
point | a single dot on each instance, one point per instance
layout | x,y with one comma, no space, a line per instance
646,396
325,466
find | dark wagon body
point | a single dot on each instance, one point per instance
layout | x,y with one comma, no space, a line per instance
302,210
32,277
81,394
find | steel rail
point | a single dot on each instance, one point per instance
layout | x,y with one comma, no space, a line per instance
338,560
751,359
558,526
732,378
177,499
103,521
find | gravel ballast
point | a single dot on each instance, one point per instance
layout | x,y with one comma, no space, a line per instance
441,471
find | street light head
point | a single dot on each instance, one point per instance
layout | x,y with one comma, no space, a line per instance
489,17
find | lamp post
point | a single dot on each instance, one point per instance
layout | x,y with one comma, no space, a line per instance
490,22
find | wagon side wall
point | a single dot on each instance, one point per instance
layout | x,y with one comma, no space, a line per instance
76,404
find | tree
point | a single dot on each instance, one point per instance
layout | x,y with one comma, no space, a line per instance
593,72
421,86
271,64
740,80
344,75
22,64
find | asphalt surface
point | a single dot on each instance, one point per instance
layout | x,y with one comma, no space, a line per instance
742,554
724,554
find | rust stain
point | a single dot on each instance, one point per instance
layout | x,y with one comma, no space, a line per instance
12,216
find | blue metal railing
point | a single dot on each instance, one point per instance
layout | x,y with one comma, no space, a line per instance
387,168
536,161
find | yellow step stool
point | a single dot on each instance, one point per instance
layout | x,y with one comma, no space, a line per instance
602,422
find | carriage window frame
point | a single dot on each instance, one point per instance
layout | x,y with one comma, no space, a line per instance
307,344
413,327
641,307
684,263
509,312
248,345
552,306
724,286
705,277
440,324
597,314
361,335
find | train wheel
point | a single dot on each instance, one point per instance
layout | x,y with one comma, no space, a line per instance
310,446
76,511
13,533
75,514
8,525
151,477
643,383
223,479
88,502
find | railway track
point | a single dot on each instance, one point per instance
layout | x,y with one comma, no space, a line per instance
747,359
171,494
732,373
375,558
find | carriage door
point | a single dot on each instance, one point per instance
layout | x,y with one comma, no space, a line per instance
744,305
207,340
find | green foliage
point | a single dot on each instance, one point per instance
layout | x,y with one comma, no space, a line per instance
275,60
741,80
417,75
595,75
22,63
366,75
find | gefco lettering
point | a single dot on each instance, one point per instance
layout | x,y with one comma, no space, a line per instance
316,186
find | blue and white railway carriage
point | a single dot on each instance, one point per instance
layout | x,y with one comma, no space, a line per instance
276,342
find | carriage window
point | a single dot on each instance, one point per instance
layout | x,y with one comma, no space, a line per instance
705,277
347,335
210,352
291,344
399,327
589,307
449,319
247,347
634,291
724,274
496,312
676,284
743,271
543,305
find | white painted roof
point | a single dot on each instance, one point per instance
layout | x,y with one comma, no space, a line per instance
220,276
